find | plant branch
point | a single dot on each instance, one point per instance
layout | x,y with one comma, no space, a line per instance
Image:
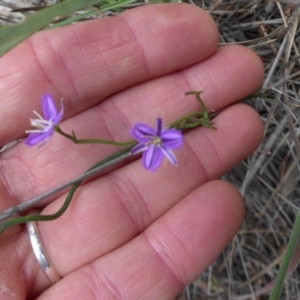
99,167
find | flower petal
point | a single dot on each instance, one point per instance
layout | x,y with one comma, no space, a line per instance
172,138
142,132
49,108
159,127
169,155
36,138
60,115
153,158
139,148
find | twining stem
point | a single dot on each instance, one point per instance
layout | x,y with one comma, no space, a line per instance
196,118
28,218
189,121
99,167
75,140
192,120
205,111
105,163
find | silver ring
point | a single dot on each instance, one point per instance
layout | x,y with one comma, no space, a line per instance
41,254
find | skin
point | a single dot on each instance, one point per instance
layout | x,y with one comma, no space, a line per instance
131,234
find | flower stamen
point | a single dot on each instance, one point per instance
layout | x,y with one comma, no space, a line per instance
45,126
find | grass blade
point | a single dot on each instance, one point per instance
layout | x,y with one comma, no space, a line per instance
10,36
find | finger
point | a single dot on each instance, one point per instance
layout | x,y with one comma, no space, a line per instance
168,255
86,62
111,210
222,77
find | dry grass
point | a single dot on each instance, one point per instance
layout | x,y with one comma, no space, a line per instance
269,179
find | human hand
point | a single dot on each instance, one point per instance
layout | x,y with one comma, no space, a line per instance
132,233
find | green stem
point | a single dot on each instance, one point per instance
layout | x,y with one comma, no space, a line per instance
28,218
189,121
286,260
204,109
75,140
195,119
180,123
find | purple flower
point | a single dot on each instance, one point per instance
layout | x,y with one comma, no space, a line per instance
156,144
45,126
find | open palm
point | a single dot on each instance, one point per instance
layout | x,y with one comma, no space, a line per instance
132,233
